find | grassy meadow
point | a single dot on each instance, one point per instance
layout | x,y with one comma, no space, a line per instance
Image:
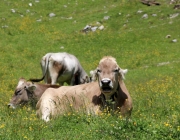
135,34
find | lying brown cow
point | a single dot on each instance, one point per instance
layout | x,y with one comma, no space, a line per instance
91,96
26,91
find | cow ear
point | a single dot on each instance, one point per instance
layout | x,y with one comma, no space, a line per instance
31,87
122,72
87,79
93,75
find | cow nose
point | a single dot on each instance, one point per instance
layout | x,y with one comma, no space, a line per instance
9,105
105,81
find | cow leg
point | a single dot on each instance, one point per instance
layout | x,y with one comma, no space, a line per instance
72,82
43,64
54,76
54,79
75,79
47,78
53,72
46,115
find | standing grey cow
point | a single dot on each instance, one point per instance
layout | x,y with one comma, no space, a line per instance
60,68
26,91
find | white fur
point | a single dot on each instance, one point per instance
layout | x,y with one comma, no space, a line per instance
20,83
69,62
93,74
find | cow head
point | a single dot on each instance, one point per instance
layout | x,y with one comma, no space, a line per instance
108,74
22,94
78,79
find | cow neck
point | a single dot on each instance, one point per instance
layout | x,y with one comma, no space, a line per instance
113,96
29,91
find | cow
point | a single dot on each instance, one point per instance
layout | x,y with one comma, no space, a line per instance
108,91
27,91
60,68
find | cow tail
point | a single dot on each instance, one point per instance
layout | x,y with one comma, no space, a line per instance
46,68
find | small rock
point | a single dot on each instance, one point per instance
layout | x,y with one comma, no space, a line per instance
168,36
38,20
30,4
139,11
101,27
172,1
62,47
174,15
87,27
163,63
145,16
106,17
52,15
13,11
67,17
27,11
5,26
174,40
93,28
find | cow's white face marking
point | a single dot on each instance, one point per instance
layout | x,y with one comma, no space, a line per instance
20,83
12,106
106,81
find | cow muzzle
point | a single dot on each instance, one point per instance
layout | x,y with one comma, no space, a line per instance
106,85
11,106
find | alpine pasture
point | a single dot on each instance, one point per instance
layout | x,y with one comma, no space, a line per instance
144,39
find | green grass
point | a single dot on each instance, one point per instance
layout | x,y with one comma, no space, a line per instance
138,44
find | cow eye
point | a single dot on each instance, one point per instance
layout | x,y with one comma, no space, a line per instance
116,70
98,71
18,92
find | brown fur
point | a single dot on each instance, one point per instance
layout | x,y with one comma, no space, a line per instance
26,91
88,96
